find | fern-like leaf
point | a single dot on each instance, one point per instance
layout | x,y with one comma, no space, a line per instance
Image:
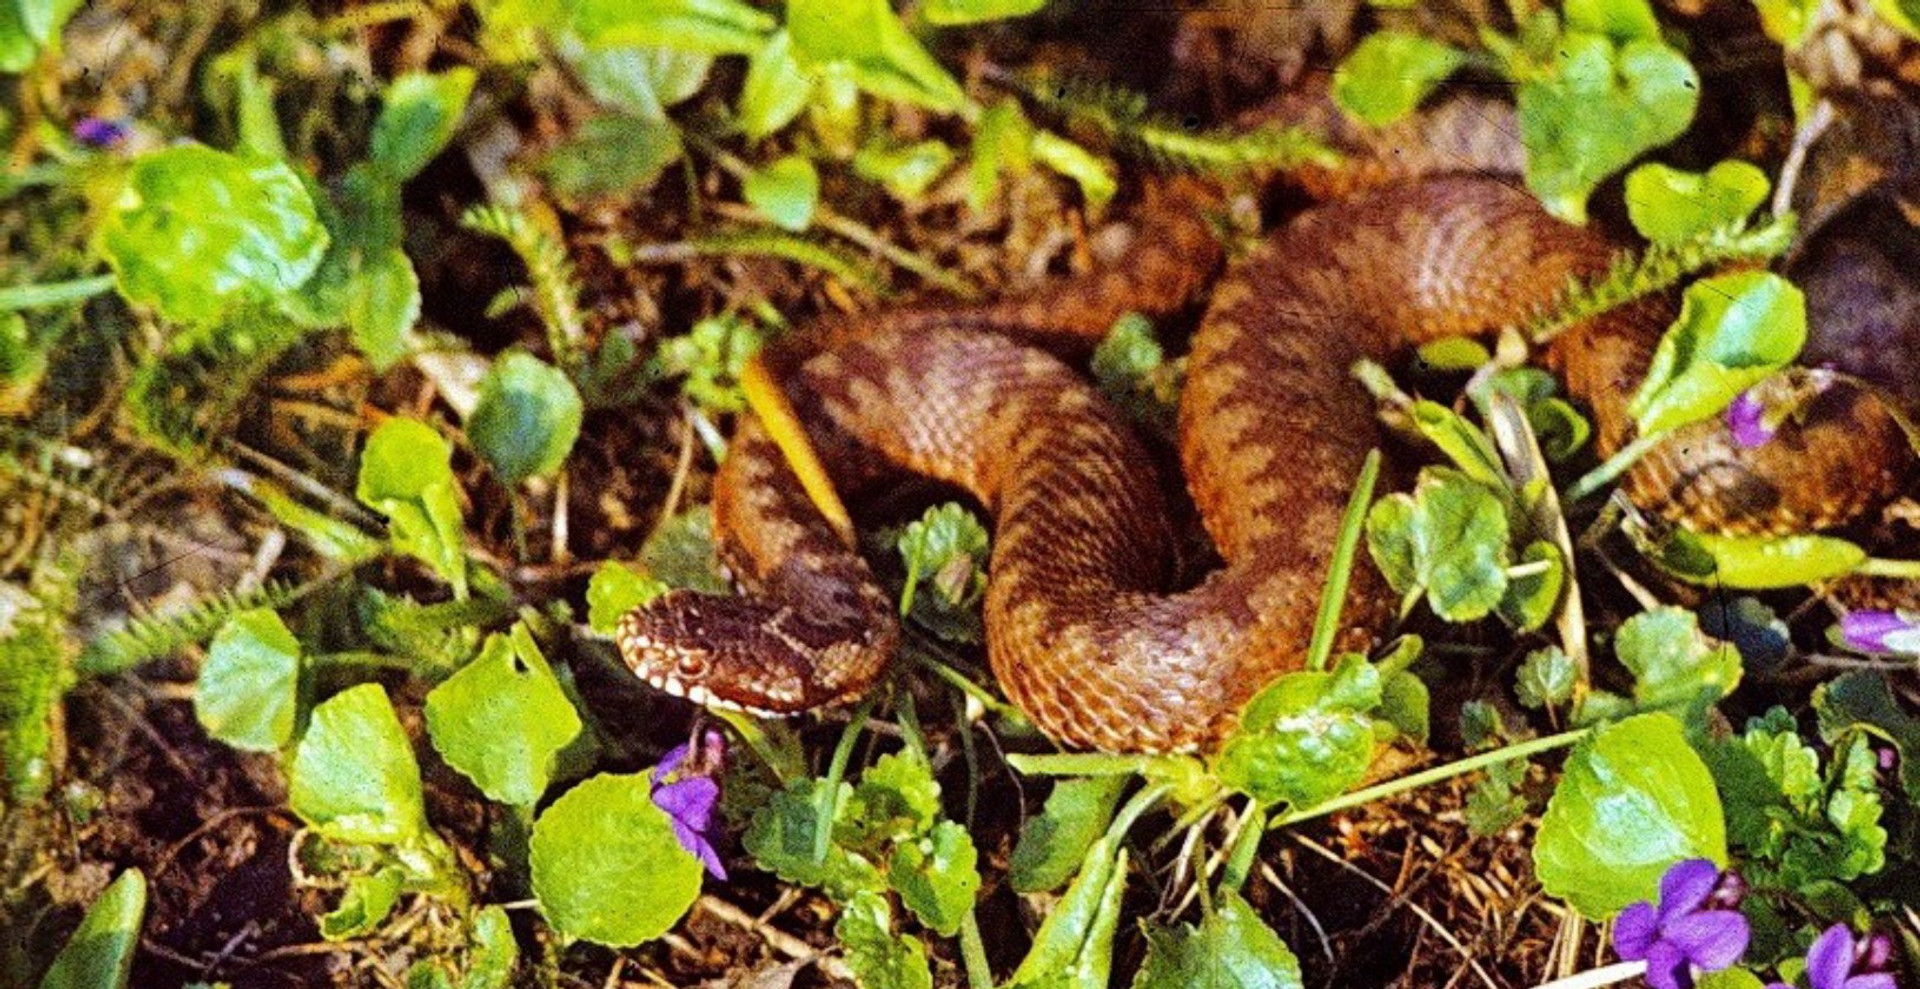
1122,117
1658,268
149,637
556,291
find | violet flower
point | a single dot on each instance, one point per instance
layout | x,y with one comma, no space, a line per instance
1684,932
689,794
1870,630
1838,961
1746,420
100,132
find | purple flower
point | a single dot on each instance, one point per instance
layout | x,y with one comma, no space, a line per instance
100,132
1680,934
1838,961
1746,420
689,793
1869,630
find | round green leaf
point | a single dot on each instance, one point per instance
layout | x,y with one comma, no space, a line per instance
606,866
776,89
195,230
936,876
406,474
99,955
502,719
1734,330
905,170
1390,73
1231,949
882,56
1306,737
353,777
249,687
1672,661
785,192
1596,108
615,589
527,417
1633,800
1668,206
383,301
417,119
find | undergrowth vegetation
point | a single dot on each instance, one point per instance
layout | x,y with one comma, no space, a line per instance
232,329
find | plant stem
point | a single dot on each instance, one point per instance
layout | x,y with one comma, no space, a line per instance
1616,465
973,953
1877,567
1506,753
52,293
1326,624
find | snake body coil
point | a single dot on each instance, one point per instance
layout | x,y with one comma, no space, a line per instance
1082,631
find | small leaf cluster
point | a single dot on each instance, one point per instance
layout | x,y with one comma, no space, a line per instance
861,841
1797,818
945,551
1596,86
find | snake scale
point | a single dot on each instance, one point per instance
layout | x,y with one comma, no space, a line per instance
1083,632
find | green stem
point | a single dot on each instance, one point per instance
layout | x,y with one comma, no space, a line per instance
53,293
1130,812
829,794
1616,465
1085,764
1379,791
1877,567
973,953
1333,596
1245,844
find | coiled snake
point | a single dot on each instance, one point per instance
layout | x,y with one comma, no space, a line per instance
1082,632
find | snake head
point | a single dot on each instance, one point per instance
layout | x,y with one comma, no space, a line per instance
740,653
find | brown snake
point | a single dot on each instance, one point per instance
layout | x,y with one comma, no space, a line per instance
1082,632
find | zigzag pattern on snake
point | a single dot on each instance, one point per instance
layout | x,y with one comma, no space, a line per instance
1083,633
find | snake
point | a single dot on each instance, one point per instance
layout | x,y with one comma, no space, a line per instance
1085,632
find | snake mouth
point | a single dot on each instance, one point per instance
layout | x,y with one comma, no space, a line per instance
668,642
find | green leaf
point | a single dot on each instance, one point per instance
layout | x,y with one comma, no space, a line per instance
1389,73
1561,430
1755,562
1073,948
947,547
383,303
1052,844
1622,20
885,59
680,553
353,777
1133,372
1406,704
1546,678
1461,441
27,27
100,953
776,89
490,965
406,474
1633,800
906,170
879,958
503,719
785,192
1595,109
1796,825
612,155
936,876
417,119
367,901
711,27
1862,698
710,357
1734,330
527,418
951,12
898,797
1002,143
1673,663
641,82
615,589
1531,599
1902,14
606,866
785,832
195,231
1231,949
1669,206
1093,175
249,688
1449,538
1306,737
1728,978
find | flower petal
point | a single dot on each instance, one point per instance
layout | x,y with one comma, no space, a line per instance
670,762
689,801
1867,629
1686,885
1875,980
1831,958
1667,967
1711,939
1634,931
1746,420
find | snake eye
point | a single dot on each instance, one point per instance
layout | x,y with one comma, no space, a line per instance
691,665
